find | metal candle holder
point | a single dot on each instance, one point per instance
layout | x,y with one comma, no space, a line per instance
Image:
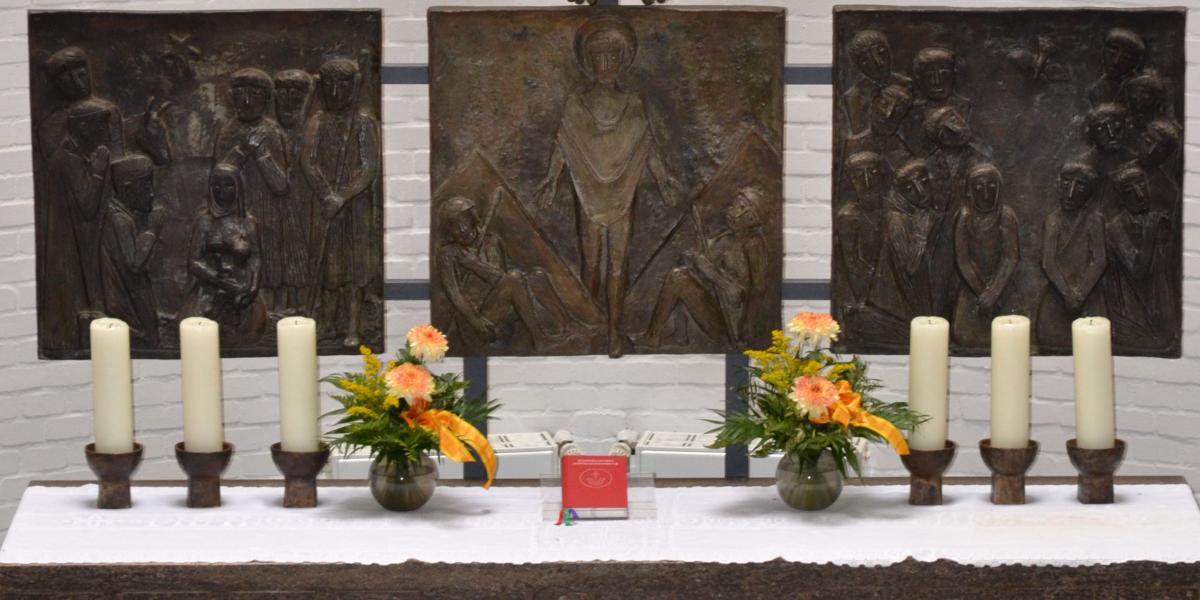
300,474
925,469
204,474
1008,467
114,471
1096,468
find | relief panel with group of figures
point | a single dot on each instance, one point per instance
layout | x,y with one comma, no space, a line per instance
224,165
991,162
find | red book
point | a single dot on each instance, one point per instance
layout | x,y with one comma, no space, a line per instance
595,481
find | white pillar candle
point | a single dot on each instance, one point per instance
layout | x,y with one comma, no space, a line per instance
1010,382
112,386
929,381
200,354
299,408
1095,422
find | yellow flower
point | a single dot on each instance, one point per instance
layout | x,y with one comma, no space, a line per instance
837,370
410,381
370,361
814,326
810,367
427,343
362,411
359,390
814,395
391,401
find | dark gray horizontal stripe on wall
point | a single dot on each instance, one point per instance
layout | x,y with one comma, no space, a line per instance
406,289
793,289
792,74
807,289
808,75
404,74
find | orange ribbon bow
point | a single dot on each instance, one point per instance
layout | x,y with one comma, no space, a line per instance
454,436
848,411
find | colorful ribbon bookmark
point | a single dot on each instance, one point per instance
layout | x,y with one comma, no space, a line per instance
567,516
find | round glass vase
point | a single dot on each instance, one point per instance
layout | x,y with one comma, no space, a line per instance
815,487
403,485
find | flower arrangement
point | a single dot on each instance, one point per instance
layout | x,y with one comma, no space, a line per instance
401,411
803,400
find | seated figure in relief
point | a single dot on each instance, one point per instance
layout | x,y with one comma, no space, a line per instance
488,295
226,262
718,285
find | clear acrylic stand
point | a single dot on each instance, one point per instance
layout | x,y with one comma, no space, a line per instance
641,499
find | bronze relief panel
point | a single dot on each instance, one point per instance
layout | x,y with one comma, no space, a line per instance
606,180
216,164
991,162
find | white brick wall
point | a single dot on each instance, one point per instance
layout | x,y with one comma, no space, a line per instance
45,407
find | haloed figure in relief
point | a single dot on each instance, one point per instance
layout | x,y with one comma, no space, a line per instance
226,261
340,159
1073,257
1137,285
473,264
719,286
605,142
986,248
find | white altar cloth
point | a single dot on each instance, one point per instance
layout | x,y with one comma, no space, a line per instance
869,525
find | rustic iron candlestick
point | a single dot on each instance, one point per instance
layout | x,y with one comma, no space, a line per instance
204,474
299,474
1096,468
925,469
114,471
1008,467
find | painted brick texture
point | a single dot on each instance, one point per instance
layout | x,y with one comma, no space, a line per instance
45,407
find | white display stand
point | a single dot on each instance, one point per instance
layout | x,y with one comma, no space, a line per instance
869,525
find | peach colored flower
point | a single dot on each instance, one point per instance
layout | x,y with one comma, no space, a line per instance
814,394
409,381
427,343
814,326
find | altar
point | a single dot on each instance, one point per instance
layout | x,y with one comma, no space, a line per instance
709,538
582,204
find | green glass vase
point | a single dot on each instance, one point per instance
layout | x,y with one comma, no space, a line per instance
815,487
402,485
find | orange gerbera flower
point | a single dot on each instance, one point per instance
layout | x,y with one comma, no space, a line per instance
815,395
410,381
814,326
427,343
